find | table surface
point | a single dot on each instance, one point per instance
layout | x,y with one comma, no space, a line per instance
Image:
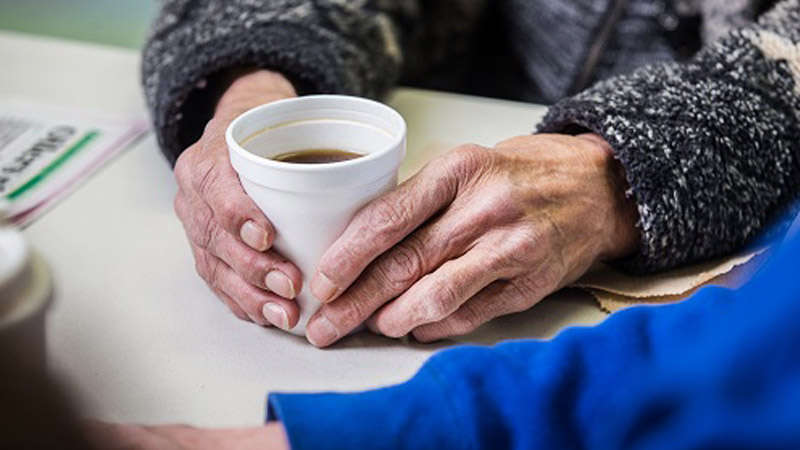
136,332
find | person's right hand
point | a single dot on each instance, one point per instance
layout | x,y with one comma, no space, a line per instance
229,235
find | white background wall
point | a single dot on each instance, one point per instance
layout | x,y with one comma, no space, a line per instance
115,22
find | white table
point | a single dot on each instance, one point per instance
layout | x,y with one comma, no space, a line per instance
136,332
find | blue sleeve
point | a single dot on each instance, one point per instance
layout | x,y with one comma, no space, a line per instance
721,370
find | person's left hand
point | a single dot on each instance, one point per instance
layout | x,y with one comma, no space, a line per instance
106,436
476,234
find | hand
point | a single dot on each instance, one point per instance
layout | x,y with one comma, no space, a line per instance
229,235
179,437
476,234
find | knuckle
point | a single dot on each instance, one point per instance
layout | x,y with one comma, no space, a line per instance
393,325
430,333
211,126
233,305
251,267
463,325
403,266
392,329
468,320
251,262
228,207
178,205
521,245
486,214
385,216
428,311
352,313
497,259
183,165
502,203
423,334
230,212
239,313
443,301
201,264
336,264
466,159
213,272
205,176
525,292
465,322
208,231
254,314
213,131
382,324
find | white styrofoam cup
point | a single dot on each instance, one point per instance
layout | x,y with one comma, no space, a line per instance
310,205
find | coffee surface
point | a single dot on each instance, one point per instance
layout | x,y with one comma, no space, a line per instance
317,156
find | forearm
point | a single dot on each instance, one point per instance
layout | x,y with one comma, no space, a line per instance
709,147
692,375
195,44
250,87
520,394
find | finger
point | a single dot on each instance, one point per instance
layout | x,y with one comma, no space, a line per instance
266,270
207,266
391,274
499,298
391,217
234,307
261,307
207,171
439,294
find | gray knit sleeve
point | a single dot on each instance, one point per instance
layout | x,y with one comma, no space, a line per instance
711,148
323,46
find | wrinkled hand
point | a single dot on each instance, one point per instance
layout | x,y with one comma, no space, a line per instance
476,234
180,437
229,235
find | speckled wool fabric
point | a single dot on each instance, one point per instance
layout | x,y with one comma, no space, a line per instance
533,50
711,148
354,47
709,138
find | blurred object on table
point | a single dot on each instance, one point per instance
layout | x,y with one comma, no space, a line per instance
33,412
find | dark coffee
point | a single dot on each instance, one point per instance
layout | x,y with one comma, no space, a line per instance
317,156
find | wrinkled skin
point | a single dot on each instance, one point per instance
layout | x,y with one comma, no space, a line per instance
478,233
229,235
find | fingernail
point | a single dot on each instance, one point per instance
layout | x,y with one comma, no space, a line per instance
276,315
280,284
321,332
323,288
254,236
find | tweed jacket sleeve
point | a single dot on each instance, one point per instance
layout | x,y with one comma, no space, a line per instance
358,47
711,147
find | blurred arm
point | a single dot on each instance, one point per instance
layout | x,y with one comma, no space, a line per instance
720,370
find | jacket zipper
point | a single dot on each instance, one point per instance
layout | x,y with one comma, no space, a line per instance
610,21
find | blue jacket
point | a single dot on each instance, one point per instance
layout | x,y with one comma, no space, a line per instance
718,371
